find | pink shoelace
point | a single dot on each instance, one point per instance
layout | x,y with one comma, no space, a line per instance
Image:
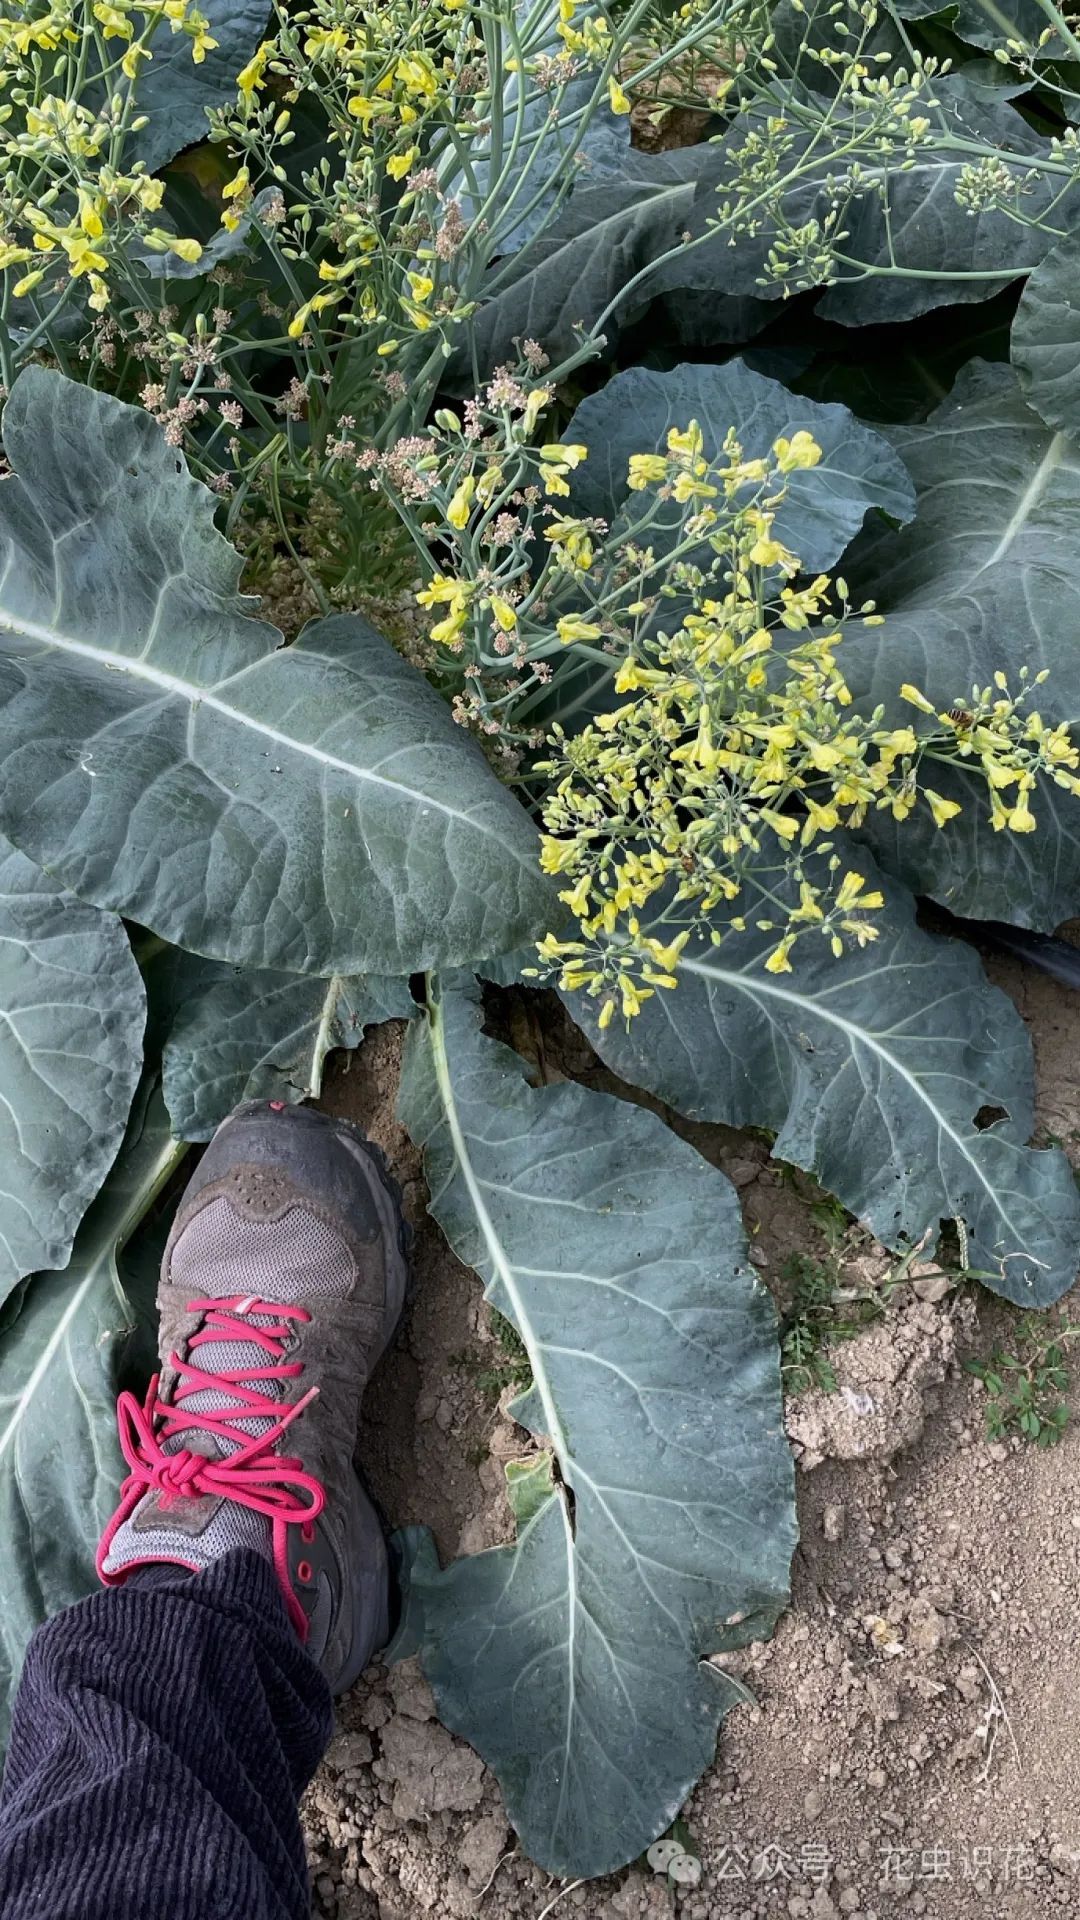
252,1474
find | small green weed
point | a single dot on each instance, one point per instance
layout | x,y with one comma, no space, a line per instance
822,1313
830,1218
807,1327
513,1371
1024,1387
824,1310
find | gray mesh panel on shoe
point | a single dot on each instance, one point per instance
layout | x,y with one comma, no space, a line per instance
221,1254
232,1526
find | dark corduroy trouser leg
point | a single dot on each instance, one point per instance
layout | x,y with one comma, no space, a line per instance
162,1736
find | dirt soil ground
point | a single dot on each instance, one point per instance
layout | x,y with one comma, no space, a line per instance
913,1746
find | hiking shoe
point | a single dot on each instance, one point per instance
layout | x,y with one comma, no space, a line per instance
282,1283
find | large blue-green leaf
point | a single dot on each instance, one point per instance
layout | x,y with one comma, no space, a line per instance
572,1660
984,578
312,808
898,1076
900,373
825,506
72,1009
1046,337
238,1036
601,248
994,23
60,1466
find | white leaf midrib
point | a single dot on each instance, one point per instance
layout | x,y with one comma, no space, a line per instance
507,1275
499,1257
1028,501
323,1033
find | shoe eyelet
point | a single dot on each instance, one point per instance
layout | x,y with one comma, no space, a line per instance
304,1573
307,1533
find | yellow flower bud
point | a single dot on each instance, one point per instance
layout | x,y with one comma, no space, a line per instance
941,809
539,398
800,452
646,469
400,164
254,74
778,961
505,614
686,442
564,456
461,505
768,553
914,698
572,627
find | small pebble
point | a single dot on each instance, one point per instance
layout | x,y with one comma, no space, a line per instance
833,1522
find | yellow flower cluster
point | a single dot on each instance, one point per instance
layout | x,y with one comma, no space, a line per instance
407,92
65,202
386,78
587,36
706,798
469,480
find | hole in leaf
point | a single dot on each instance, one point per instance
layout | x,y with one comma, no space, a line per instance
989,1116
